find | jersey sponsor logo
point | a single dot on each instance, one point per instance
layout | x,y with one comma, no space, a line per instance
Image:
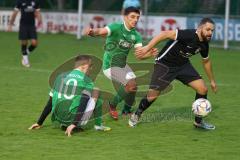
125,44
29,9
186,55
190,52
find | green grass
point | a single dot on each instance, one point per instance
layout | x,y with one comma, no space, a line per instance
24,93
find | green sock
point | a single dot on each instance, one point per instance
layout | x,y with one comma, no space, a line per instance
126,108
98,112
119,96
129,101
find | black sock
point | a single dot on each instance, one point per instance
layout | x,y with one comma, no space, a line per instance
24,50
143,105
197,118
31,48
200,96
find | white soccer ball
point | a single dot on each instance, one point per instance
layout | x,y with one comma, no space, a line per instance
201,107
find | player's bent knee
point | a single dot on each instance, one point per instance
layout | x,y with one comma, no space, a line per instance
131,88
34,43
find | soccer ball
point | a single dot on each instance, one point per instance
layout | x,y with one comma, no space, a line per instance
201,107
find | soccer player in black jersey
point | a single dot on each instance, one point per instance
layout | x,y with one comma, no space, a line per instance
173,63
27,31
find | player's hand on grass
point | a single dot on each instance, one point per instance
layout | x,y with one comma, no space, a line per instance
214,86
34,126
69,130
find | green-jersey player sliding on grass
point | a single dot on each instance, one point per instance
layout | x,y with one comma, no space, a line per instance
121,37
73,99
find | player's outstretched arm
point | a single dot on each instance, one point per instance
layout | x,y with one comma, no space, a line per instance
164,35
208,69
12,20
95,32
141,55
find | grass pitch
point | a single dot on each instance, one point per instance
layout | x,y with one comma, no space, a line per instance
166,133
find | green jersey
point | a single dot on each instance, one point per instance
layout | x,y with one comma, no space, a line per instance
66,95
118,44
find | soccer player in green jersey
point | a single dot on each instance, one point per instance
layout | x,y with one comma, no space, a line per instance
121,37
73,99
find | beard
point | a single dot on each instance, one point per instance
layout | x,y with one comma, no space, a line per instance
206,38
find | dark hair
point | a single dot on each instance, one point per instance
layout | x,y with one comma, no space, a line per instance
82,59
206,20
131,9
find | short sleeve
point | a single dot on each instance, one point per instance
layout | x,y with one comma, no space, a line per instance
138,41
51,93
204,52
112,28
185,35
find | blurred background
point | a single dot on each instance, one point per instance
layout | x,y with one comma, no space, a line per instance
63,16
166,7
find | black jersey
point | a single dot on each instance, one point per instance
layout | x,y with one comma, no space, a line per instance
27,8
177,52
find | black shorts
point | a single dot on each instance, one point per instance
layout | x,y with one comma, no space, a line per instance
163,75
27,32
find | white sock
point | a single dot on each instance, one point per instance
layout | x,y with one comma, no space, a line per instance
25,58
28,52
